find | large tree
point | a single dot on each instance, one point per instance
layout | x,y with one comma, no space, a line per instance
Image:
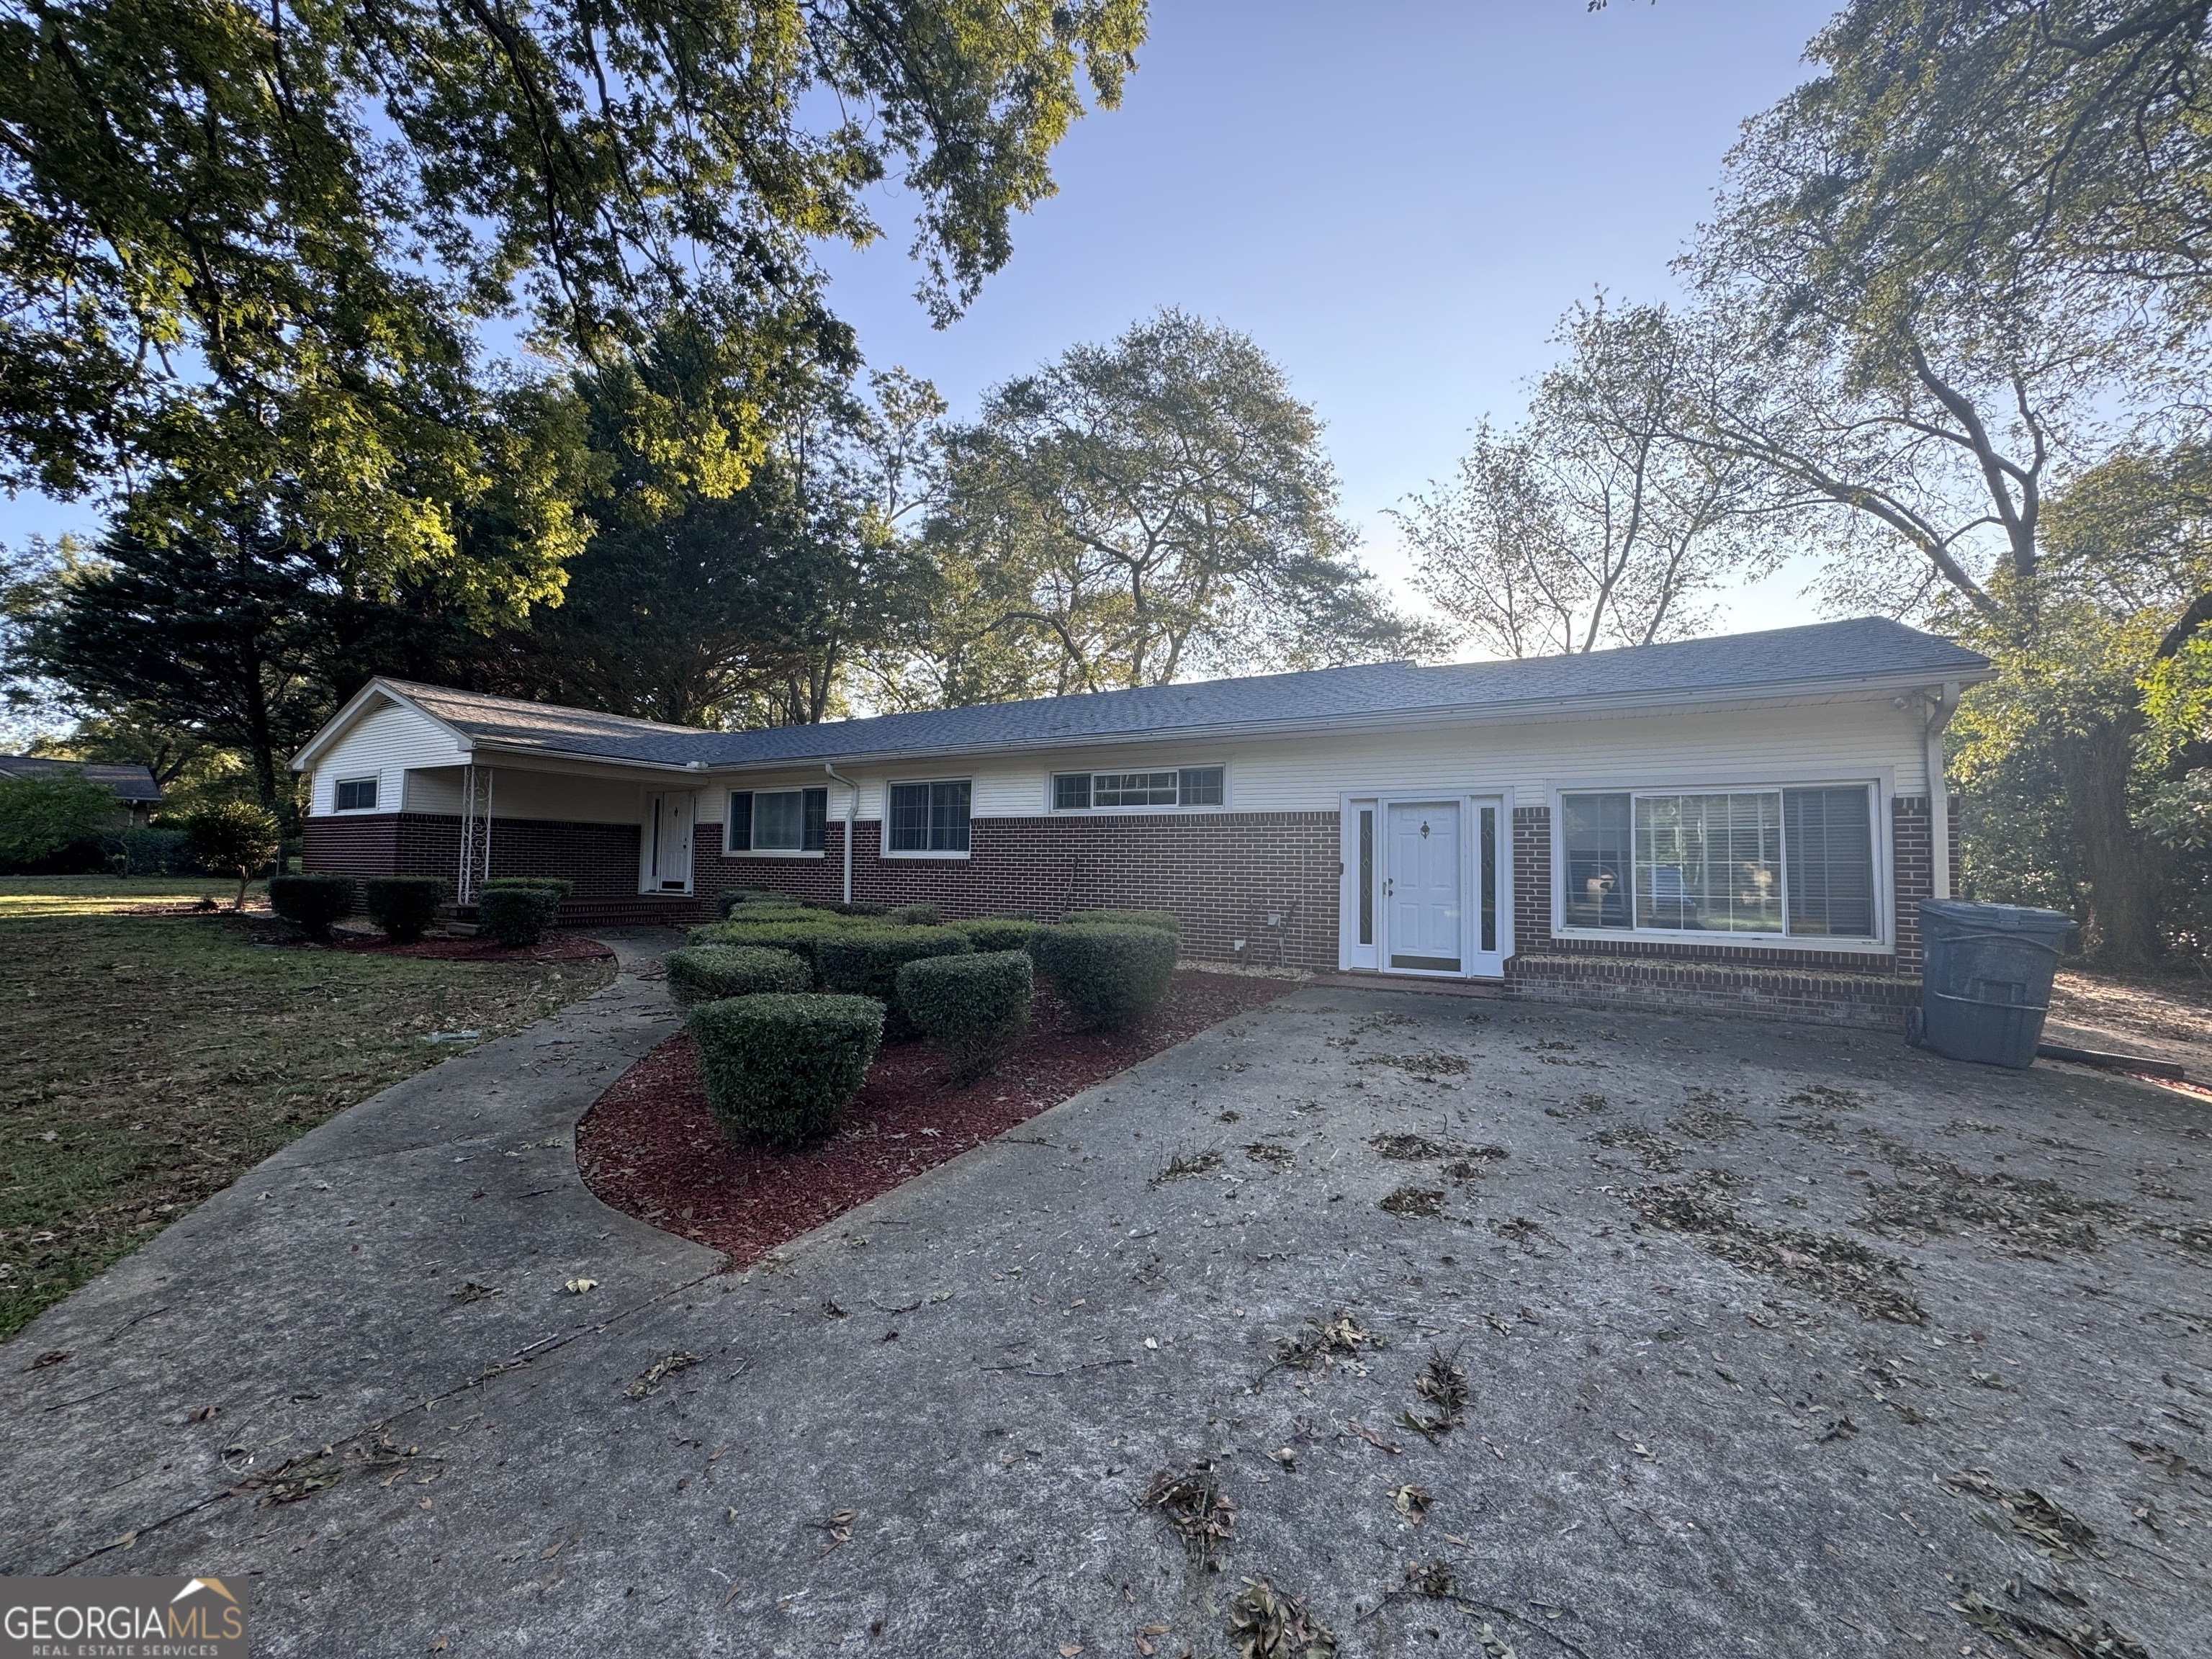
254,245
1931,343
1593,522
1156,508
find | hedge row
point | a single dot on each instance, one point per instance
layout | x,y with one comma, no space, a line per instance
711,973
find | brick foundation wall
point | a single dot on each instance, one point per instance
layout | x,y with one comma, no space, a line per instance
1221,873
601,858
1837,986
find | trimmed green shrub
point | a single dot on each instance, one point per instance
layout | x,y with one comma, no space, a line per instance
1106,975
403,906
974,1007
312,904
235,838
780,1067
53,822
859,908
797,932
916,915
561,884
733,898
1164,921
864,961
708,973
518,915
997,933
145,852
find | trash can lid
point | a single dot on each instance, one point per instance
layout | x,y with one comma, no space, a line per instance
2020,918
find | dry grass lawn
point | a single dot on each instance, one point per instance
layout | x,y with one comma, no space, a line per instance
152,1055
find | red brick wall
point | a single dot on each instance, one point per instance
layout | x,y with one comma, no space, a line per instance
601,858
1221,873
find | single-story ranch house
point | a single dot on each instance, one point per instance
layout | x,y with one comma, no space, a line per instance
1742,823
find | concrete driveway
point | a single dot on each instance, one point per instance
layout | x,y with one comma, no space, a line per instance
1774,1342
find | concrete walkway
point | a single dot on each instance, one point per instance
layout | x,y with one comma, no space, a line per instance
924,1429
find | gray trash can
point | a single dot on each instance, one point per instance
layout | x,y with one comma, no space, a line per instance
1986,983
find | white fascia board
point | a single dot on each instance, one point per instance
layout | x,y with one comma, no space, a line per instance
1545,710
356,706
573,764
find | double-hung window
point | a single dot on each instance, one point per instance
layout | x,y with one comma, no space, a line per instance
356,795
1087,792
927,819
1775,863
788,821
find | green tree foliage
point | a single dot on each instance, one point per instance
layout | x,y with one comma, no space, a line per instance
235,838
1937,328
41,818
1138,511
249,249
213,635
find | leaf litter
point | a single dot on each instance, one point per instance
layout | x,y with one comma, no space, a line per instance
1653,1150
2027,1215
1826,1264
1413,1203
1443,1384
1193,1503
1340,1338
2046,1621
659,1371
2053,1531
1266,1624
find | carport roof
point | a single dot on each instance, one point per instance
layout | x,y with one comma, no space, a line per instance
1865,652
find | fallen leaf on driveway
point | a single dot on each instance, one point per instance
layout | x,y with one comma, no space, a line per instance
1412,1503
652,1376
578,1286
1069,1649
1374,1439
839,1525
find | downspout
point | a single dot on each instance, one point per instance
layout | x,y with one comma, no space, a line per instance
1942,705
852,811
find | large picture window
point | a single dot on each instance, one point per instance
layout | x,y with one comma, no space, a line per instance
778,820
928,818
1186,786
1796,863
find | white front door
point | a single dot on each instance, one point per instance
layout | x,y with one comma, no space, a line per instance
1421,887
667,865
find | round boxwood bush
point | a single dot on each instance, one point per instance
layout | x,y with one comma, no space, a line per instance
998,932
780,1067
403,906
1164,921
312,904
974,1007
518,915
865,962
797,932
560,884
708,973
1106,975
737,898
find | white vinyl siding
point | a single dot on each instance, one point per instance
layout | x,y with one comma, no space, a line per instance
386,743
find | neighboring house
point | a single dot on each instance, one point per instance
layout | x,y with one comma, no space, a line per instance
136,793
1742,823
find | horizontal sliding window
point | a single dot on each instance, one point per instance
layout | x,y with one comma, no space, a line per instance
356,795
928,818
1188,785
778,820
1795,862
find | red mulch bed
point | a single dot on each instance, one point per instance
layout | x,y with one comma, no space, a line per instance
651,1148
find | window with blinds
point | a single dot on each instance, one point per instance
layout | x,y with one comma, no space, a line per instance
1779,863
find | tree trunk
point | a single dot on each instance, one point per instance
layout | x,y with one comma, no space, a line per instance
2119,862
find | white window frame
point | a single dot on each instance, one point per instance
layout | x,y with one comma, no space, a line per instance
374,779
884,823
729,826
1880,787
1053,775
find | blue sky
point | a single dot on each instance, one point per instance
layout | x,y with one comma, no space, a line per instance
1397,201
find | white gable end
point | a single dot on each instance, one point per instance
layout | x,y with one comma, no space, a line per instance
385,742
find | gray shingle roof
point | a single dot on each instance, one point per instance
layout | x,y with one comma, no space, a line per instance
1824,653
133,783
